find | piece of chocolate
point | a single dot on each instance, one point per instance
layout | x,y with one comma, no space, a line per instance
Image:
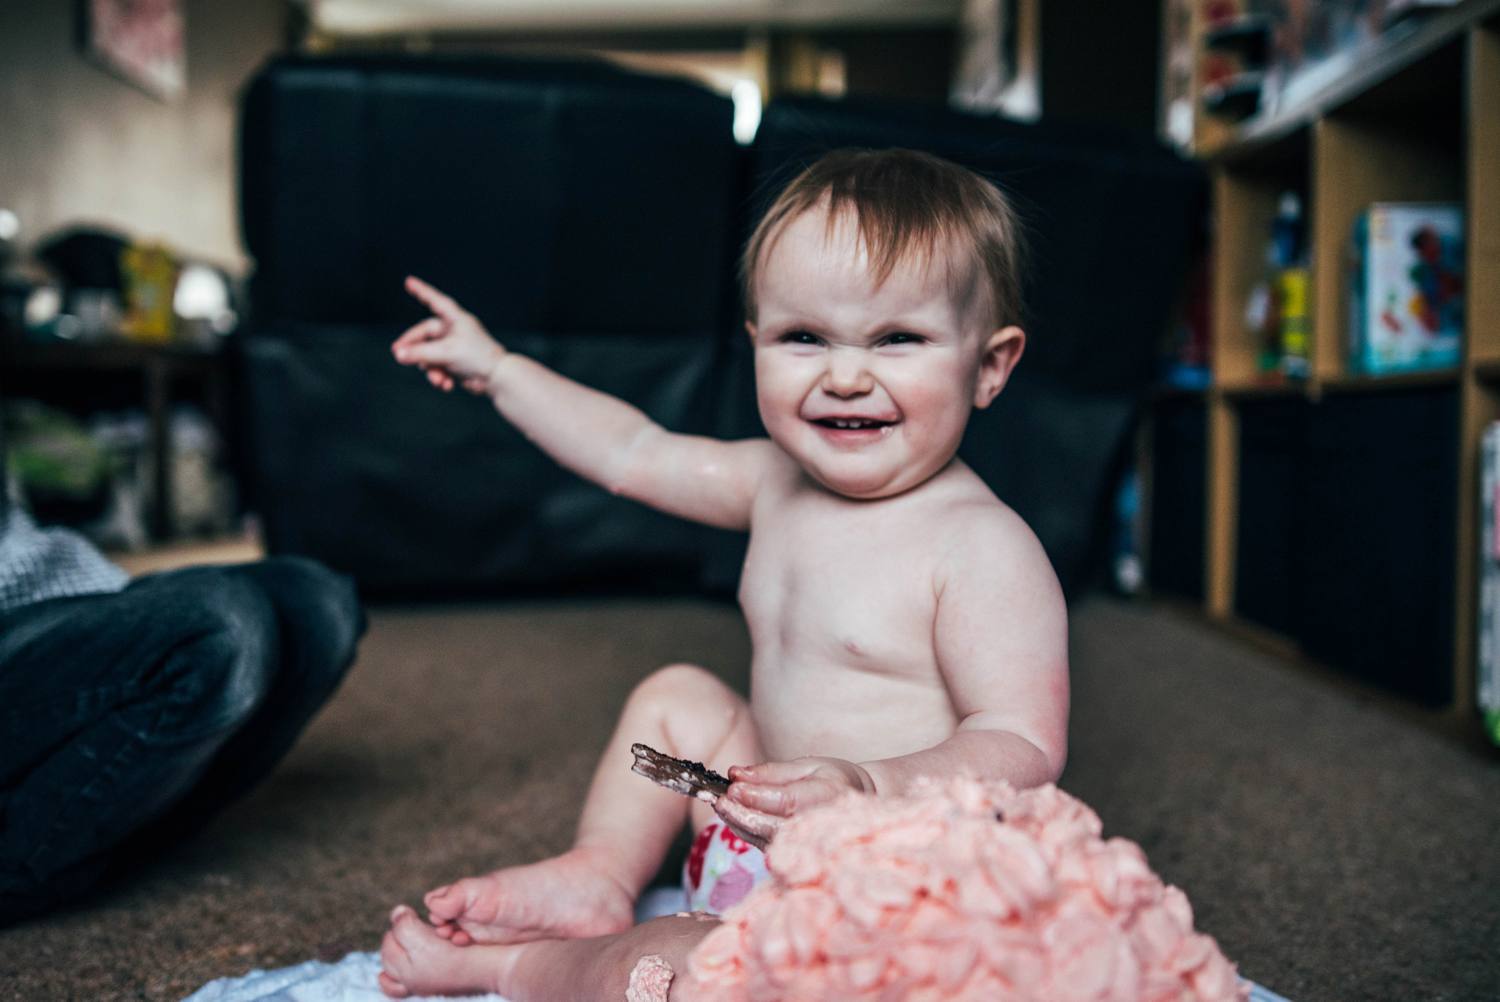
691,779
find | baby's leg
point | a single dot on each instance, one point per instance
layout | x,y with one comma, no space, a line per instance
416,961
628,823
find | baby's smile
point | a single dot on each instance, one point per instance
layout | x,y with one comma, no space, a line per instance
853,430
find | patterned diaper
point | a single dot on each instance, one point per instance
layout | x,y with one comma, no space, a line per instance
721,869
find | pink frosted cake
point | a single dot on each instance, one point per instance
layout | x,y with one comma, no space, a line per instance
932,897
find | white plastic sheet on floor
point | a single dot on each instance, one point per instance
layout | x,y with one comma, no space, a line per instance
353,979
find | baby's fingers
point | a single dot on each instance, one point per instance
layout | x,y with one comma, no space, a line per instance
772,772
424,354
434,300
426,330
750,825
783,801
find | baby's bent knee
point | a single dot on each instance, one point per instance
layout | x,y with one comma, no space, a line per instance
682,689
679,679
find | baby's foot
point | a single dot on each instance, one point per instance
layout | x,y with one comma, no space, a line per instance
415,960
568,896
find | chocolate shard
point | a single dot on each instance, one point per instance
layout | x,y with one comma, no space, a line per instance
691,779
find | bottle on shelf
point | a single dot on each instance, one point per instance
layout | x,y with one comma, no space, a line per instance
1276,311
1289,235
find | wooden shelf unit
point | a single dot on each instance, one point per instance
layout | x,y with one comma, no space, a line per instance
1416,119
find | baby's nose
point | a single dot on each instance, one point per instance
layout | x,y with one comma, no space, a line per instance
846,375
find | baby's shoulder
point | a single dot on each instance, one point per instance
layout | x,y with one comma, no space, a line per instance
780,474
980,530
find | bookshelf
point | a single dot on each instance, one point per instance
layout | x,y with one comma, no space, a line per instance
1414,117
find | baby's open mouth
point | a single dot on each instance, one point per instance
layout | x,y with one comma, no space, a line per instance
852,424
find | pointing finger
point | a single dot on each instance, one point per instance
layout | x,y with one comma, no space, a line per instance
434,300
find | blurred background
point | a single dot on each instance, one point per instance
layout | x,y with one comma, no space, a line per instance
206,210
1255,427
120,183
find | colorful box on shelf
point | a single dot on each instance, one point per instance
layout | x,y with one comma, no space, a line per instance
1406,287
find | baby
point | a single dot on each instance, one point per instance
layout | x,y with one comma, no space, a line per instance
905,622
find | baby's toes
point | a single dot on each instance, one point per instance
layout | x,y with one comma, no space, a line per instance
392,988
444,903
394,962
407,926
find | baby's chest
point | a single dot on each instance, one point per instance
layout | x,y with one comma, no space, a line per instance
837,595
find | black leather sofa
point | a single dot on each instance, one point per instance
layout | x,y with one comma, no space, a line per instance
591,217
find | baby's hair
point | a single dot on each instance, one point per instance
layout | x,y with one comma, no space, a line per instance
905,203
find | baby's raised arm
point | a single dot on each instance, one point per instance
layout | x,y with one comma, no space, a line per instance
599,437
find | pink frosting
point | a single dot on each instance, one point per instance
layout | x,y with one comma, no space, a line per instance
650,980
930,897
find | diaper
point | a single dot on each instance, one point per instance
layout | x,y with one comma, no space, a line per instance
721,869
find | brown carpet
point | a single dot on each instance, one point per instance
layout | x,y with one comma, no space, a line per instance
1337,848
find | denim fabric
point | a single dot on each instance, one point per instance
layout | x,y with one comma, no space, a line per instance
128,719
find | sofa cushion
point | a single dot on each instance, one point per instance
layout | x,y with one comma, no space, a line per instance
544,195
365,466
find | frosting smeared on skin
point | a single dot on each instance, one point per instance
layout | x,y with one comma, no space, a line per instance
930,896
650,980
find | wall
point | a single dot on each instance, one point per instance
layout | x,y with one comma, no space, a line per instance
78,143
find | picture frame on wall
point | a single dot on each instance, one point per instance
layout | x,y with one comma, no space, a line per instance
141,41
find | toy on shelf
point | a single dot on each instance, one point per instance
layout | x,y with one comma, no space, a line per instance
1276,312
1236,46
1406,287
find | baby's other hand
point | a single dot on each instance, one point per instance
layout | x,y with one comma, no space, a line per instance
451,346
761,796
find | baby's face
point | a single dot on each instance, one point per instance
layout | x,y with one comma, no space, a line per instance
869,387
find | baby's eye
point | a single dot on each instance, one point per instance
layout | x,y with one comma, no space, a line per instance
903,337
800,337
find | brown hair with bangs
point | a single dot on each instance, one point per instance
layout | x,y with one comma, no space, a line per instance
905,203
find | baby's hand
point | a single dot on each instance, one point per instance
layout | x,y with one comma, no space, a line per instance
762,796
451,346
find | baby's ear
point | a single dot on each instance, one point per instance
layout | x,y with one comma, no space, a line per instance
1002,350
750,329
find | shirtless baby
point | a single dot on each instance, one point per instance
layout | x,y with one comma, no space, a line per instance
904,621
